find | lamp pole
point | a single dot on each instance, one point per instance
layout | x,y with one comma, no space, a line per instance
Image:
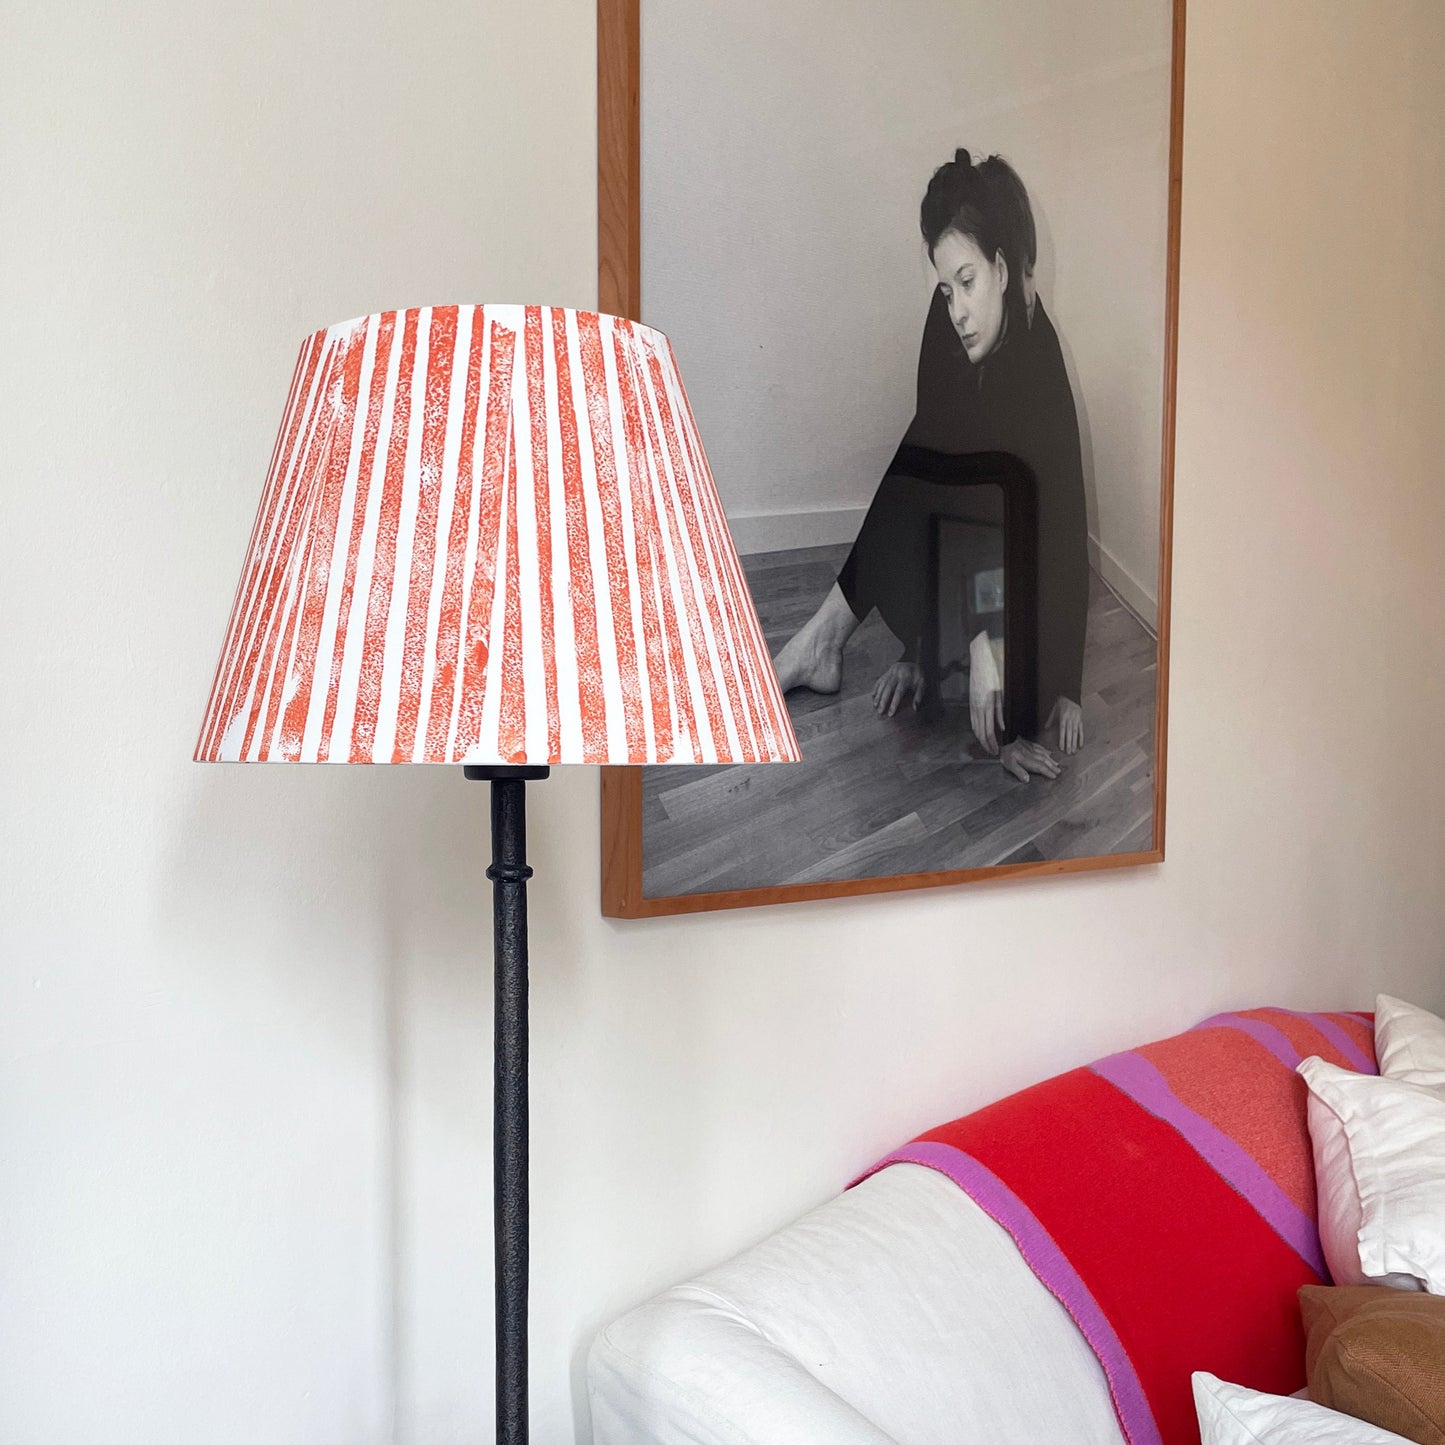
509,874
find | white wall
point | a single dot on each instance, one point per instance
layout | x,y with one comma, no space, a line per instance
780,238
244,1033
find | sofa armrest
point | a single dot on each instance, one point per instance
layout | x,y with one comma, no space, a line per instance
689,1368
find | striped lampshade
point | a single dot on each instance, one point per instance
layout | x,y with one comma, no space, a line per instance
490,535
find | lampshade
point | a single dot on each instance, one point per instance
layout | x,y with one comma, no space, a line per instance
489,535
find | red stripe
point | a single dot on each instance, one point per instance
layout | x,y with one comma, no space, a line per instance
619,581
279,665
219,712
757,704
204,747
541,496
449,628
381,365
479,621
281,492
317,576
716,625
652,596
441,353
592,699
772,711
682,592
284,565
512,722
378,602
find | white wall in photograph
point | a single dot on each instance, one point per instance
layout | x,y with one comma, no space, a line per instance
781,250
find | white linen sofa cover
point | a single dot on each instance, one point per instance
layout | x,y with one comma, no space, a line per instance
897,1314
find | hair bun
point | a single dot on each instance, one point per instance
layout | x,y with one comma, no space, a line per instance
961,157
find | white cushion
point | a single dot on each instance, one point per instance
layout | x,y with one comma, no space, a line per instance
1409,1043
1232,1415
1379,1149
1338,1199
897,1314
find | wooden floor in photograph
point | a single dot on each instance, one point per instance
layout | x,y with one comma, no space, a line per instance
878,796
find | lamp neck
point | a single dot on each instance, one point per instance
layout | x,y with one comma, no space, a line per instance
497,772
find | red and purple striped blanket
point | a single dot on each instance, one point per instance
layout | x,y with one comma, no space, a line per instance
1166,1196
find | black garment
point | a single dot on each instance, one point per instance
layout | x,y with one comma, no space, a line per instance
1018,403
924,488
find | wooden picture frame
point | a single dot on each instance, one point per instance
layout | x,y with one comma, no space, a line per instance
620,291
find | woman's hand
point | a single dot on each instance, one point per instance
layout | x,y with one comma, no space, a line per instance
895,685
1070,719
1021,757
985,694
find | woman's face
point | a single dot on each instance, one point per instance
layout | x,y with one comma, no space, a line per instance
974,287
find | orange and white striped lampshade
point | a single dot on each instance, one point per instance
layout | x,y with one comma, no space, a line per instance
490,535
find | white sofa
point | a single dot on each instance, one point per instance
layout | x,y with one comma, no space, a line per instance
896,1314
900,1312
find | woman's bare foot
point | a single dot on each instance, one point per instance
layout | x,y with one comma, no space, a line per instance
813,656
809,662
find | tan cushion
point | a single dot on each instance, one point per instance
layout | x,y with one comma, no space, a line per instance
1378,1354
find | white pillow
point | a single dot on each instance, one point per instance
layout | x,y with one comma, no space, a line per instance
1409,1043
1379,1148
1232,1415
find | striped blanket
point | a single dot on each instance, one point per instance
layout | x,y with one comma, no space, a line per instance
1166,1196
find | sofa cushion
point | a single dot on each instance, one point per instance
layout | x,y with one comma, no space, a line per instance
1379,1149
899,1312
1379,1355
1410,1042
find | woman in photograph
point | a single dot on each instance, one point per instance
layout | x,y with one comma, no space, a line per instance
991,379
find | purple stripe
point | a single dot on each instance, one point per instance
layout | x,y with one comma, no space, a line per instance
1263,1034
1363,1063
1135,1076
1055,1272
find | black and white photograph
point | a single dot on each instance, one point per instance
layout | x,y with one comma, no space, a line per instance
918,280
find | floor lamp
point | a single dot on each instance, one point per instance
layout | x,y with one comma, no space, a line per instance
489,537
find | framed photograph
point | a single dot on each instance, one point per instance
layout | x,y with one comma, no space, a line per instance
919,265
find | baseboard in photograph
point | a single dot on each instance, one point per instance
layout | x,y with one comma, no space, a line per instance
1126,587
755,532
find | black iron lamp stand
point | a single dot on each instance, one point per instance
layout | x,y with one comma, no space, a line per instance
509,874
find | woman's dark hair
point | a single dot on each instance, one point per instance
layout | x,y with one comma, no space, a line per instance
1013,195
987,202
